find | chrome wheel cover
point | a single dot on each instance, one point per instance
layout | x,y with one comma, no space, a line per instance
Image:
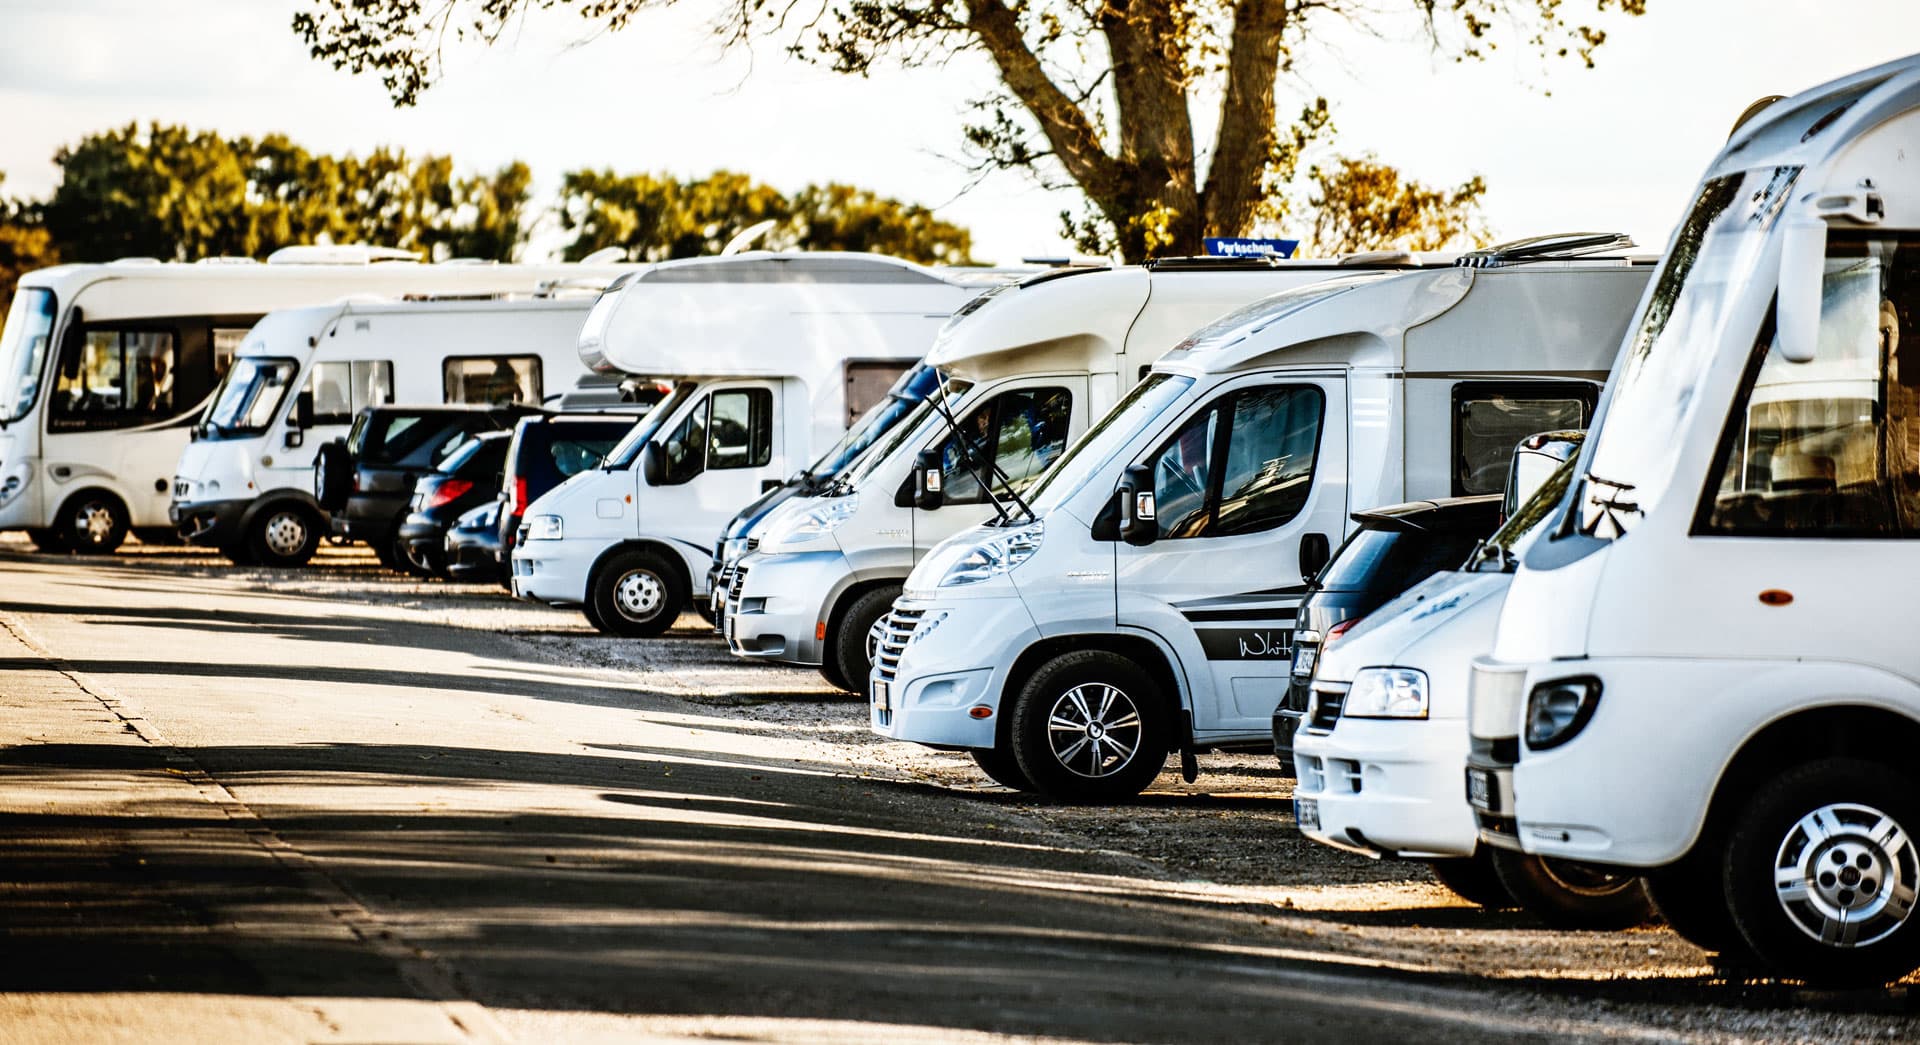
285,533
639,595
1094,730
1845,874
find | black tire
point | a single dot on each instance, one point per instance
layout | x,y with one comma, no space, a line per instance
94,522
1473,879
847,638
1570,895
332,475
160,536
1000,765
637,595
593,617
51,540
285,534
238,553
1692,898
1828,818
390,552
1093,686
705,610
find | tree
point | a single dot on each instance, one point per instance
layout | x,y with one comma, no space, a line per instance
24,245
172,193
1099,95
655,216
1363,204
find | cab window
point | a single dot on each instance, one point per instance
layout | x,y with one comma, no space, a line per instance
1831,447
1242,464
127,375
1022,432
342,389
492,380
1491,418
728,429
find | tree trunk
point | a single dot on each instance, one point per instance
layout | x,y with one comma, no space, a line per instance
1157,208
1247,133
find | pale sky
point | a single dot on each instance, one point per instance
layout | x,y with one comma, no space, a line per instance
1615,148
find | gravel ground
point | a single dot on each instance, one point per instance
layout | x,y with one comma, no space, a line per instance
1227,839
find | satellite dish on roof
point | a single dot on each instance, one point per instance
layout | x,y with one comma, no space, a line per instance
745,237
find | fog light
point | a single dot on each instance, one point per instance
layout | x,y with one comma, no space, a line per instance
980,711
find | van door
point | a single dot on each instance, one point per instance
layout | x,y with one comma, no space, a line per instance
1240,487
1022,429
718,453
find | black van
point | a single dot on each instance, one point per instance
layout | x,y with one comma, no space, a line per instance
366,481
545,452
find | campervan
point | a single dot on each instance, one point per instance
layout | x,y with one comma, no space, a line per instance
1140,599
103,368
1702,671
245,485
1025,368
771,355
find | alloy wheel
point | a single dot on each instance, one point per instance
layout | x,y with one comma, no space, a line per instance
1846,875
1094,730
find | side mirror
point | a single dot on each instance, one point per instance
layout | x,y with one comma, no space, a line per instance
928,480
1315,550
653,464
302,420
1803,273
1139,516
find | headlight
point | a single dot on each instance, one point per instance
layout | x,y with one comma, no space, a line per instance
996,555
13,486
1387,693
544,528
1557,711
733,549
814,524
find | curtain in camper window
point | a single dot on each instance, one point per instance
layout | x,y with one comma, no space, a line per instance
493,380
342,389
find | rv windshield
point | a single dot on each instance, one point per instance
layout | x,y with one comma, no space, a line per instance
1657,379
865,465
881,418
1088,455
250,396
23,351
627,450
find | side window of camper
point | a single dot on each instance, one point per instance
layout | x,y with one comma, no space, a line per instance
740,430
867,383
1242,465
1021,432
492,379
111,378
342,389
1830,448
1490,419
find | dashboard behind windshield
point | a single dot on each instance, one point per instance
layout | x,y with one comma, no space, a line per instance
1089,453
250,396
627,450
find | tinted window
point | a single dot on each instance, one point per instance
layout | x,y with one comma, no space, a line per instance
1490,420
493,379
342,388
1022,432
1388,562
477,457
573,454
740,429
685,446
393,438
117,378
1242,465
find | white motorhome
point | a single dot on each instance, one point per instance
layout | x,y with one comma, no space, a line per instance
104,367
1700,671
1027,366
244,485
773,356
1378,756
1145,604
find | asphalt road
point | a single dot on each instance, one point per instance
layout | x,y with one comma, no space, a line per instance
234,810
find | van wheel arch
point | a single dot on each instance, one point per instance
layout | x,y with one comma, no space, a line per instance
1151,658
665,552
836,615
1831,731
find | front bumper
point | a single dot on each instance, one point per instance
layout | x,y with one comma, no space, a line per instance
555,572
776,605
945,670
1388,787
210,523
472,558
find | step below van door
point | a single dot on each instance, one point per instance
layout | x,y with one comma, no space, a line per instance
1243,485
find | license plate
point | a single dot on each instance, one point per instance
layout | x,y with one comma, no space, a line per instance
1303,660
1481,792
883,696
1306,813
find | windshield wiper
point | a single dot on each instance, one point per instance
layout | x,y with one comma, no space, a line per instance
1001,516
1609,505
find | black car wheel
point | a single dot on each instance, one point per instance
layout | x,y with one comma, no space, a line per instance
284,535
636,595
848,649
1473,879
95,522
1570,895
1090,726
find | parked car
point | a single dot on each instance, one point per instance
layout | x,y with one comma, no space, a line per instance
366,481
473,546
544,452
1395,548
469,478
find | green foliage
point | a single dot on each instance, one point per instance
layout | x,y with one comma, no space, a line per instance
24,245
655,217
172,193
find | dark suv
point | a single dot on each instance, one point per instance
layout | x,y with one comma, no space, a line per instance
545,452
1395,548
367,480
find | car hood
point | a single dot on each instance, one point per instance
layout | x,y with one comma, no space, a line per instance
1386,635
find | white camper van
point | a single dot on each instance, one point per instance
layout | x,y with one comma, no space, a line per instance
1703,669
1145,601
1026,367
104,367
244,485
773,356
